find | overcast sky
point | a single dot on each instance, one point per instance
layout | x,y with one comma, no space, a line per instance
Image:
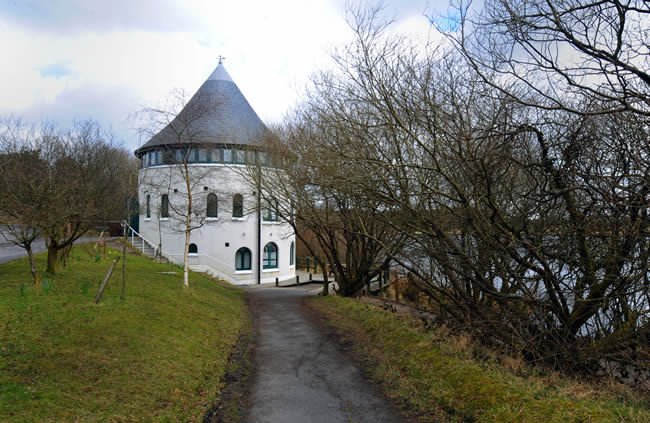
105,60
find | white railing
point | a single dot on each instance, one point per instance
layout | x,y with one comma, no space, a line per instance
204,259
157,251
207,260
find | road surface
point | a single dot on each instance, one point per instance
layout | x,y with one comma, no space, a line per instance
9,251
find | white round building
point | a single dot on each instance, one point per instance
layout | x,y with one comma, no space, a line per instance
203,157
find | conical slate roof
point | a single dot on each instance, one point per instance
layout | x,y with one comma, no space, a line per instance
217,114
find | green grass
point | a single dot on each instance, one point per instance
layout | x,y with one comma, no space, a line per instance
435,377
159,355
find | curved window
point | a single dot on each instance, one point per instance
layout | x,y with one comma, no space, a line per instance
227,155
243,259
237,205
270,256
291,253
164,206
212,205
148,215
193,249
238,156
270,211
168,157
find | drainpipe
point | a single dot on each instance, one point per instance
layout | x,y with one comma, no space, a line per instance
259,227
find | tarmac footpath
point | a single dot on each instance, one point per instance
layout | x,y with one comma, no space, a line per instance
299,374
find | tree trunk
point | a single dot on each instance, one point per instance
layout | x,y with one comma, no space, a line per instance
52,255
65,253
32,266
188,225
323,269
186,282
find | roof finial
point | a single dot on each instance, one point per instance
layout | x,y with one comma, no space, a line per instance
221,59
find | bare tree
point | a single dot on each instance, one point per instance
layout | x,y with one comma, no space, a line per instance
583,56
60,182
526,225
350,238
19,214
179,188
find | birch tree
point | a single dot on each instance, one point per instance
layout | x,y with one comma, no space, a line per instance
182,183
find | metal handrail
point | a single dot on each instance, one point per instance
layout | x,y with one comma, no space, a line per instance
205,255
163,253
156,250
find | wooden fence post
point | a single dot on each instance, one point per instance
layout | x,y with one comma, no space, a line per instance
105,282
123,269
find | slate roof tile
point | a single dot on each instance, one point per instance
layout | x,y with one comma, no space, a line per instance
217,114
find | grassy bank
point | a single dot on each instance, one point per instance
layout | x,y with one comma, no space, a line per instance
158,355
434,376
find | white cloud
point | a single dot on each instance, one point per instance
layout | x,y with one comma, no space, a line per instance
74,16
129,54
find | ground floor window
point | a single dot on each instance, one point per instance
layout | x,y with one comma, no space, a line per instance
243,259
270,256
193,249
291,254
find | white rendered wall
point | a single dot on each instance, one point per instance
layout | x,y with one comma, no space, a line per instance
218,239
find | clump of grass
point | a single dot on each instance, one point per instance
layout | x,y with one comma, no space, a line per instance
159,355
431,371
47,285
85,284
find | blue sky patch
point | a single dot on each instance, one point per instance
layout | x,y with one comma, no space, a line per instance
449,22
55,70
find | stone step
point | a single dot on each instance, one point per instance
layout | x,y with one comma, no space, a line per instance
145,248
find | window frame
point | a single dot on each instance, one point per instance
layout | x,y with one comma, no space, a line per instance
216,206
237,207
192,253
268,261
238,156
164,206
227,155
241,253
270,211
292,252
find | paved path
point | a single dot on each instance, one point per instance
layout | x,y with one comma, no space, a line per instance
9,251
300,375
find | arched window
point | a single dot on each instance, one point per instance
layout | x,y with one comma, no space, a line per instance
148,215
237,205
193,249
270,210
243,259
270,256
212,205
164,206
291,253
